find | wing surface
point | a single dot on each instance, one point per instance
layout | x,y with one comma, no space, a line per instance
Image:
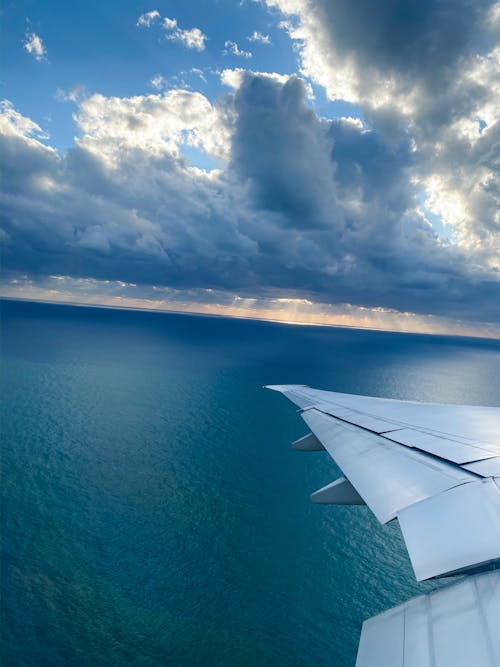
431,466
459,433
436,468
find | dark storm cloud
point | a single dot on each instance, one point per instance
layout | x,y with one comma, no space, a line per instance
344,219
283,150
412,41
417,38
428,70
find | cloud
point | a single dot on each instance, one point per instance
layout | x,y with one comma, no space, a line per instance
396,214
148,18
430,71
193,38
158,82
123,188
232,48
365,53
301,207
76,93
155,124
234,78
259,37
14,124
119,294
34,45
198,72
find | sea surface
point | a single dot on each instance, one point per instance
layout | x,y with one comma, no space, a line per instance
153,513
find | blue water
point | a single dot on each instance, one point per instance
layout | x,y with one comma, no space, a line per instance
153,513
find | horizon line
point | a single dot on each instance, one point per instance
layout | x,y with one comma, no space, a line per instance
286,322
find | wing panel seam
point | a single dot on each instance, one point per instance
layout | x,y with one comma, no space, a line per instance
408,448
484,623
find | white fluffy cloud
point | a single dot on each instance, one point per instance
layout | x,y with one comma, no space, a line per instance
192,38
33,44
155,124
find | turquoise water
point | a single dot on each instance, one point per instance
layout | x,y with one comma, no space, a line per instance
153,513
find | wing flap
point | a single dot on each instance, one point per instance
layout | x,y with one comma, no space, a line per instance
454,531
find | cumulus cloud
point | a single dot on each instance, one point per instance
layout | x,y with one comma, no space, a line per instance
232,48
302,207
430,71
234,78
123,191
193,38
361,52
34,45
155,124
259,37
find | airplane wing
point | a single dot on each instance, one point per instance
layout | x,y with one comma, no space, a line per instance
435,468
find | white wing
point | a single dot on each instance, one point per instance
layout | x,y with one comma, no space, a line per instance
436,468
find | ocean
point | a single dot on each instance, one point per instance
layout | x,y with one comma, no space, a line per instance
153,513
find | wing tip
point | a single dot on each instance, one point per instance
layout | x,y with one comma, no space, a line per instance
282,387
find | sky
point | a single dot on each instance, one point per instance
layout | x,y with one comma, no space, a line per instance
312,161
